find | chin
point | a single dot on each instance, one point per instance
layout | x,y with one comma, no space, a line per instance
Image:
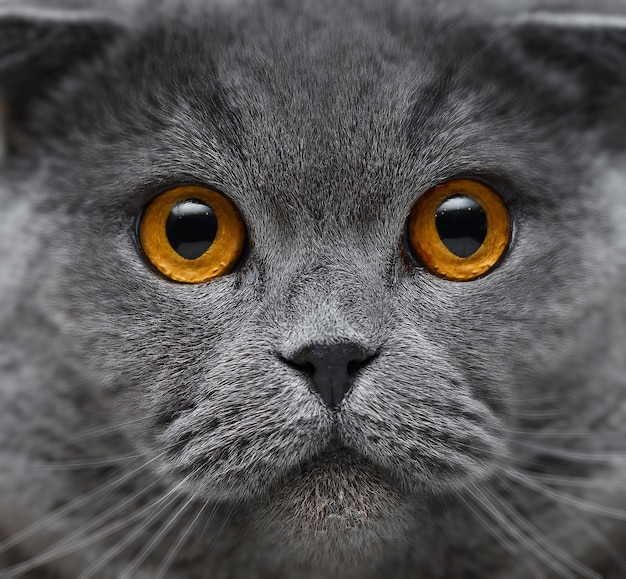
334,513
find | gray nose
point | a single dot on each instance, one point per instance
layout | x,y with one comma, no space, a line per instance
331,368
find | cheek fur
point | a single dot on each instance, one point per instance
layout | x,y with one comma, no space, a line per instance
419,420
252,422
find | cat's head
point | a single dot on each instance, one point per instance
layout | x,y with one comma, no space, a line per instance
328,368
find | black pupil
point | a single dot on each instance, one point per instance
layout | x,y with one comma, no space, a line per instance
461,225
191,227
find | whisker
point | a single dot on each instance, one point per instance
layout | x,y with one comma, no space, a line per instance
543,414
600,538
547,397
582,522
202,533
67,546
217,533
126,541
581,504
129,570
508,544
72,506
104,430
567,559
591,457
532,545
169,558
569,433
61,548
579,482
74,465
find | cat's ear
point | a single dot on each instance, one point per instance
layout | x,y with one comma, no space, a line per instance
584,54
38,46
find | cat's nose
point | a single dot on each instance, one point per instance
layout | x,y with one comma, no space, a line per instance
331,368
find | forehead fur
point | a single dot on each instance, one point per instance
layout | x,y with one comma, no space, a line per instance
300,91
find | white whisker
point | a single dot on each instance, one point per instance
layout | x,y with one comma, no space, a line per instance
502,539
69,544
582,522
599,537
548,397
590,457
104,430
532,545
71,465
72,506
543,414
602,435
565,557
202,533
567,499
169,558
130,569
579,482
126,541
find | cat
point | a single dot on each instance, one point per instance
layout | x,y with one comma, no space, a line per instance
332,399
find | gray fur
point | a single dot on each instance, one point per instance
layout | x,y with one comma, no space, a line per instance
324,122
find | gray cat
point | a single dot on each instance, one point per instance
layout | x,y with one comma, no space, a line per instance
312,289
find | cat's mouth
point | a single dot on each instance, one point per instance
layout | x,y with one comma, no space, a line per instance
336,457
339,461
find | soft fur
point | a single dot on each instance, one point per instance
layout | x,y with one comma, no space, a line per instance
153,429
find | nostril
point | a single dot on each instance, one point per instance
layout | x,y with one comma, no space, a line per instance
330,368
355,365
299,364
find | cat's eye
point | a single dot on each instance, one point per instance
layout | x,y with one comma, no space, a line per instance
192,234
459,230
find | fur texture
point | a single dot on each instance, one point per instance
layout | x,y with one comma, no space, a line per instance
153,429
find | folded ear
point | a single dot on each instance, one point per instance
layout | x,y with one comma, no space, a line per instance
583,55
37,45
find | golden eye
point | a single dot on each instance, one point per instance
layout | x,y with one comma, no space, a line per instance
459,230
192,234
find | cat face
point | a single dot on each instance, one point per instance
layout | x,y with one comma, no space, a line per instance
324,127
